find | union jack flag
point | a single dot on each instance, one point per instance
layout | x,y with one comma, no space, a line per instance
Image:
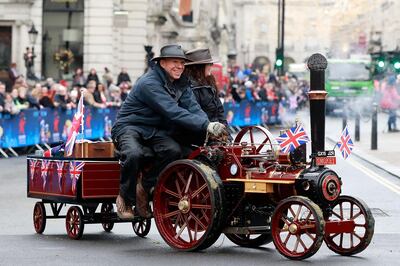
55,151
76,124
292,138
44,170
32,167
60,172
345,143
75,169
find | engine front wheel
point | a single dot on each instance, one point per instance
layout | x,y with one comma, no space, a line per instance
349,243
297,228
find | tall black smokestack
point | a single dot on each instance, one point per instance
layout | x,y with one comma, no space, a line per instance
317,64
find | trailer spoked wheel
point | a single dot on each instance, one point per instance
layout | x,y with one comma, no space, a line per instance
142,227
74,222
188,205
360,234
250,240
297,227
247,134
39,217
107,209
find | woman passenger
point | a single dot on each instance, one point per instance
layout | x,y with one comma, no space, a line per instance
203,83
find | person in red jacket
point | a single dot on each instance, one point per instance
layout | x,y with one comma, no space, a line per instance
390,102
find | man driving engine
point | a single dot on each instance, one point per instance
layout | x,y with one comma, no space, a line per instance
160,100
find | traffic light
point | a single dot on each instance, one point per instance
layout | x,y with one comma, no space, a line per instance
379,63
395,61
279,60
385,62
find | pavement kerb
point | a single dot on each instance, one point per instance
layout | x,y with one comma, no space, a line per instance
373,161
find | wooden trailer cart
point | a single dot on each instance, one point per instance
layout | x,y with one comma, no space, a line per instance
84,183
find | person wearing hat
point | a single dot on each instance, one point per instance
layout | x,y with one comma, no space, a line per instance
203,84
159,102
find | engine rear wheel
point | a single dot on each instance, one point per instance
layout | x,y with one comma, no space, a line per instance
351,209
250,240
188,205
303,228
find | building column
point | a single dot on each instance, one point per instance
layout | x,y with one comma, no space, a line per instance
132,39
97,36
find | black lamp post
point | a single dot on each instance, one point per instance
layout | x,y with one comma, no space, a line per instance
149,56
232,61
29,55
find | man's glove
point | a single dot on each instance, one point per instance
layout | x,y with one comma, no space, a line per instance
216,129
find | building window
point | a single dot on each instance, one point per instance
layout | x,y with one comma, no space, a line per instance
5,47
5,54
62,35
188,18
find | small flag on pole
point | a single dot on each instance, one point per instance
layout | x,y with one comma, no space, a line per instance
345,143
76,124
292,138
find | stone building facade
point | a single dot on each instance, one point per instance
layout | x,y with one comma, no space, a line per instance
114,33
363,26
257,29
100,34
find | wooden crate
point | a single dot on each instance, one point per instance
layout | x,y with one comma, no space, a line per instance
93,150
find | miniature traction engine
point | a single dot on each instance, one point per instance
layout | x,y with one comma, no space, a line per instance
256,195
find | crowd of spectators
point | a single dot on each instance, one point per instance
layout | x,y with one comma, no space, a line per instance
99,93
254,86
245,84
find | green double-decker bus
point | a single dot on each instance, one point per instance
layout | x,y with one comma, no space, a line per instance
348,81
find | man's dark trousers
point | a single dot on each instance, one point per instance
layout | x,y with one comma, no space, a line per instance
133,156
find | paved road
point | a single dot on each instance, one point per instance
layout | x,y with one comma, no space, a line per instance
20,245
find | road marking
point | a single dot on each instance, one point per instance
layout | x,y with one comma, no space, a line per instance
383,181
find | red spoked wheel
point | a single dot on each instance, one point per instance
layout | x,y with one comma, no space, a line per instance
297,228
107,209
142,227
74,222
249,135
250,240
39,217
188,205
349,243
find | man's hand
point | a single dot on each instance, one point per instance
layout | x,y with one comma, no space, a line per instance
216,129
